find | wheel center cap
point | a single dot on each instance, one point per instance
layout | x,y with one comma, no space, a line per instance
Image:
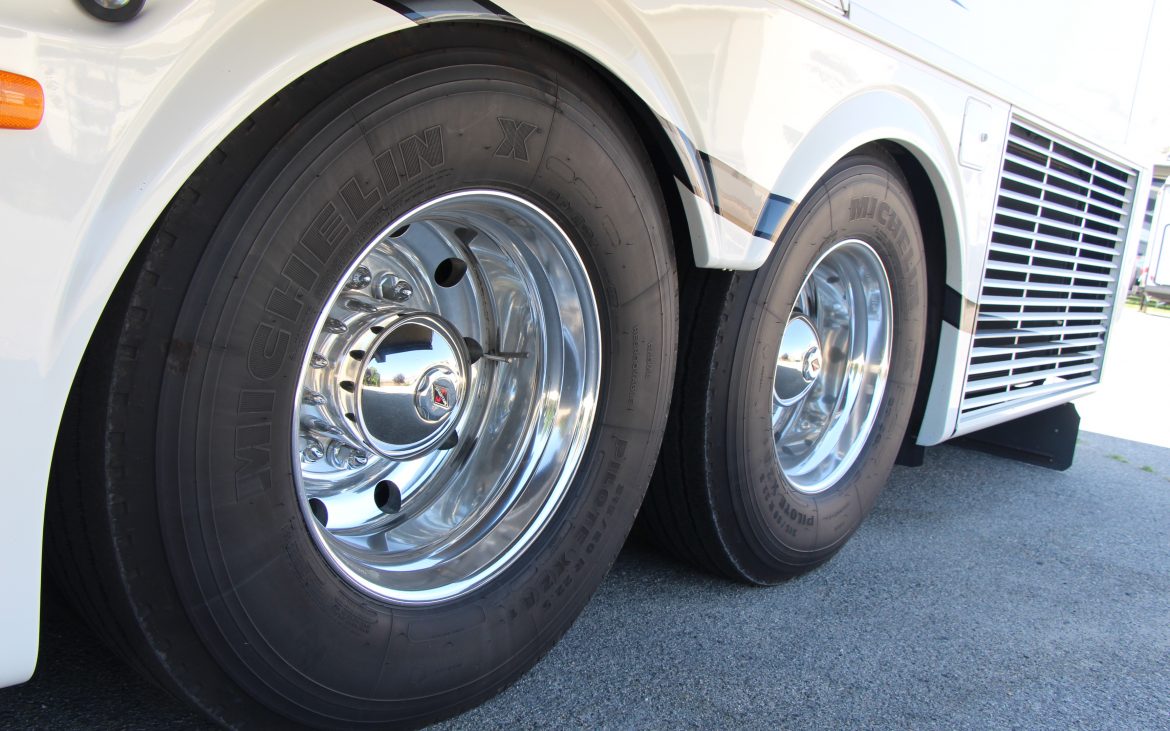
799,362
411,386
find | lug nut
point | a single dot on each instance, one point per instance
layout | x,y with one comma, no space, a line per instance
400,292
313,398
318,361
343,456
393,289
313,451
396,290
360,279
335,326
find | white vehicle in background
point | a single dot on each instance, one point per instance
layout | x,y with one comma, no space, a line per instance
341,337
1154,273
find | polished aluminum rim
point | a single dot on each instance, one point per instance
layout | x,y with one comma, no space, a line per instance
832,366
447,393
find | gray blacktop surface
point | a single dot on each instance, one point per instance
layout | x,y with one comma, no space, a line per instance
981,593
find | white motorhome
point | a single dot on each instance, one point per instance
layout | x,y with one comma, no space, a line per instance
1153,275
345,340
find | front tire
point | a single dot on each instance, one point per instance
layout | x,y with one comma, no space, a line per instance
797,384
372,432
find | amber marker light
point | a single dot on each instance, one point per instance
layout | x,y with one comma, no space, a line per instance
22,101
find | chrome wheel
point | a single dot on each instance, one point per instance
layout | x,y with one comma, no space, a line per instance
833,324
448,391
401,358
832,366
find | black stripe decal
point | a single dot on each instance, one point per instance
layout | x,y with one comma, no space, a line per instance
730,194
775,211
709,186
691,170
958,311
401,9
422,11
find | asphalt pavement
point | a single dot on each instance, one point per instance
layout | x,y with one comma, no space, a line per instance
981,593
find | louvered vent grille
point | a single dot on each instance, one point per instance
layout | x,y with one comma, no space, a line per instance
1051,276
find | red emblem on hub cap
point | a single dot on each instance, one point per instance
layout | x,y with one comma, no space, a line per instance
439,394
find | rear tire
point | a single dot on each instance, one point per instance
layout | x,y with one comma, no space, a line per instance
725,495
187,518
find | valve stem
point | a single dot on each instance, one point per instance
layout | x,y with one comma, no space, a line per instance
504,356
475,351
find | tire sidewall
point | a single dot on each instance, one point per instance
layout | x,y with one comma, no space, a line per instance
783,527
268,605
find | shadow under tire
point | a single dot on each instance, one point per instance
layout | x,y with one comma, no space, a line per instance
445,194
796,383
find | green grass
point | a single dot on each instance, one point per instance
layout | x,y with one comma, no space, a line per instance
1147,468
1132,303
1119,458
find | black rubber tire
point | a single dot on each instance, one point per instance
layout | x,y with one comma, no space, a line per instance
177,529
719,498
127,12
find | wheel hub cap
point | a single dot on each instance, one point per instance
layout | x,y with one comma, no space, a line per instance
411,386
799,362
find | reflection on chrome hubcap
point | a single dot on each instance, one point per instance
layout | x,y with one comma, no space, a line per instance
409,385
448,391
811,368
832,366
799,362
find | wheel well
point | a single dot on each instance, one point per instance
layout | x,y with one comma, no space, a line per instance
926,203
667,166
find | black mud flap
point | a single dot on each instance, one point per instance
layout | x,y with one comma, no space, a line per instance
1046,439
